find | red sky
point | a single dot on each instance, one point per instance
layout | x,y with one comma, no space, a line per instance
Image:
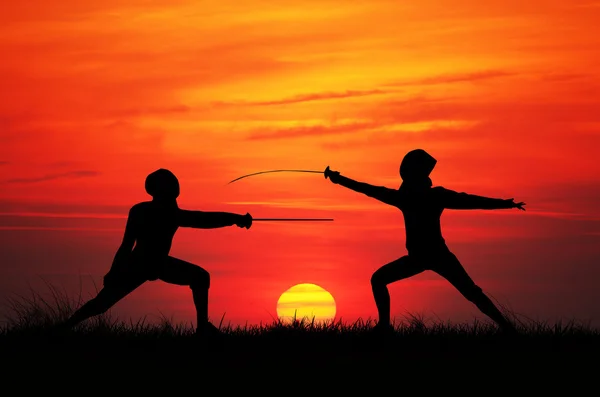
505,94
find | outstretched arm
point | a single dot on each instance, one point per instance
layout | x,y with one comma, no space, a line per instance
463,201
212,220
381,193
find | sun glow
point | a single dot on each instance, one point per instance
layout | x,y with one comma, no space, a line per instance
306,301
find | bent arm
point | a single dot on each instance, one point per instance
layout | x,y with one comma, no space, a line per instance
463,201
127,243
381,193
207,220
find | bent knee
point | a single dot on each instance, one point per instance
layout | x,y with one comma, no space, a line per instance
378,279
201,280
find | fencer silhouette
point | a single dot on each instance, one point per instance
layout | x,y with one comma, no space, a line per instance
144,251
422,205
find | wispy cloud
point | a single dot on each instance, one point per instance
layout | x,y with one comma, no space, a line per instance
453,78
58,229
62,215
552,77
12,207
391,137
153,110
592,4
63,164
313,130
50,177
317,96
4,162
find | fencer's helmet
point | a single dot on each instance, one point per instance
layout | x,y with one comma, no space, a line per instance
416,165
162,184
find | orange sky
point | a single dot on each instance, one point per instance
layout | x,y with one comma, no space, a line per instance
505,94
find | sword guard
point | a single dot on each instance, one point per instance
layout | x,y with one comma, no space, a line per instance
326,172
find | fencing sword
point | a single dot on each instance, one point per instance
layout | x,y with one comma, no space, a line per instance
326,173
291,219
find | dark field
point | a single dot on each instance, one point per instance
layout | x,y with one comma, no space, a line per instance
461,357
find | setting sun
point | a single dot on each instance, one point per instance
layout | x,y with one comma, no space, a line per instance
306,301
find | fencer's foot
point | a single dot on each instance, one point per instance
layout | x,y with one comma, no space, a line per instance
382,329
60,329
208,330
509,330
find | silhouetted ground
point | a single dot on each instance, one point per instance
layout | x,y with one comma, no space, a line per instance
303,357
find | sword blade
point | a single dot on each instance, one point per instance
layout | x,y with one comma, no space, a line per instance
271,171
292,219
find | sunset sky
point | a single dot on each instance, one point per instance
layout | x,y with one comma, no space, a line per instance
504,93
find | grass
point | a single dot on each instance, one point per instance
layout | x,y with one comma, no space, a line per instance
300,349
